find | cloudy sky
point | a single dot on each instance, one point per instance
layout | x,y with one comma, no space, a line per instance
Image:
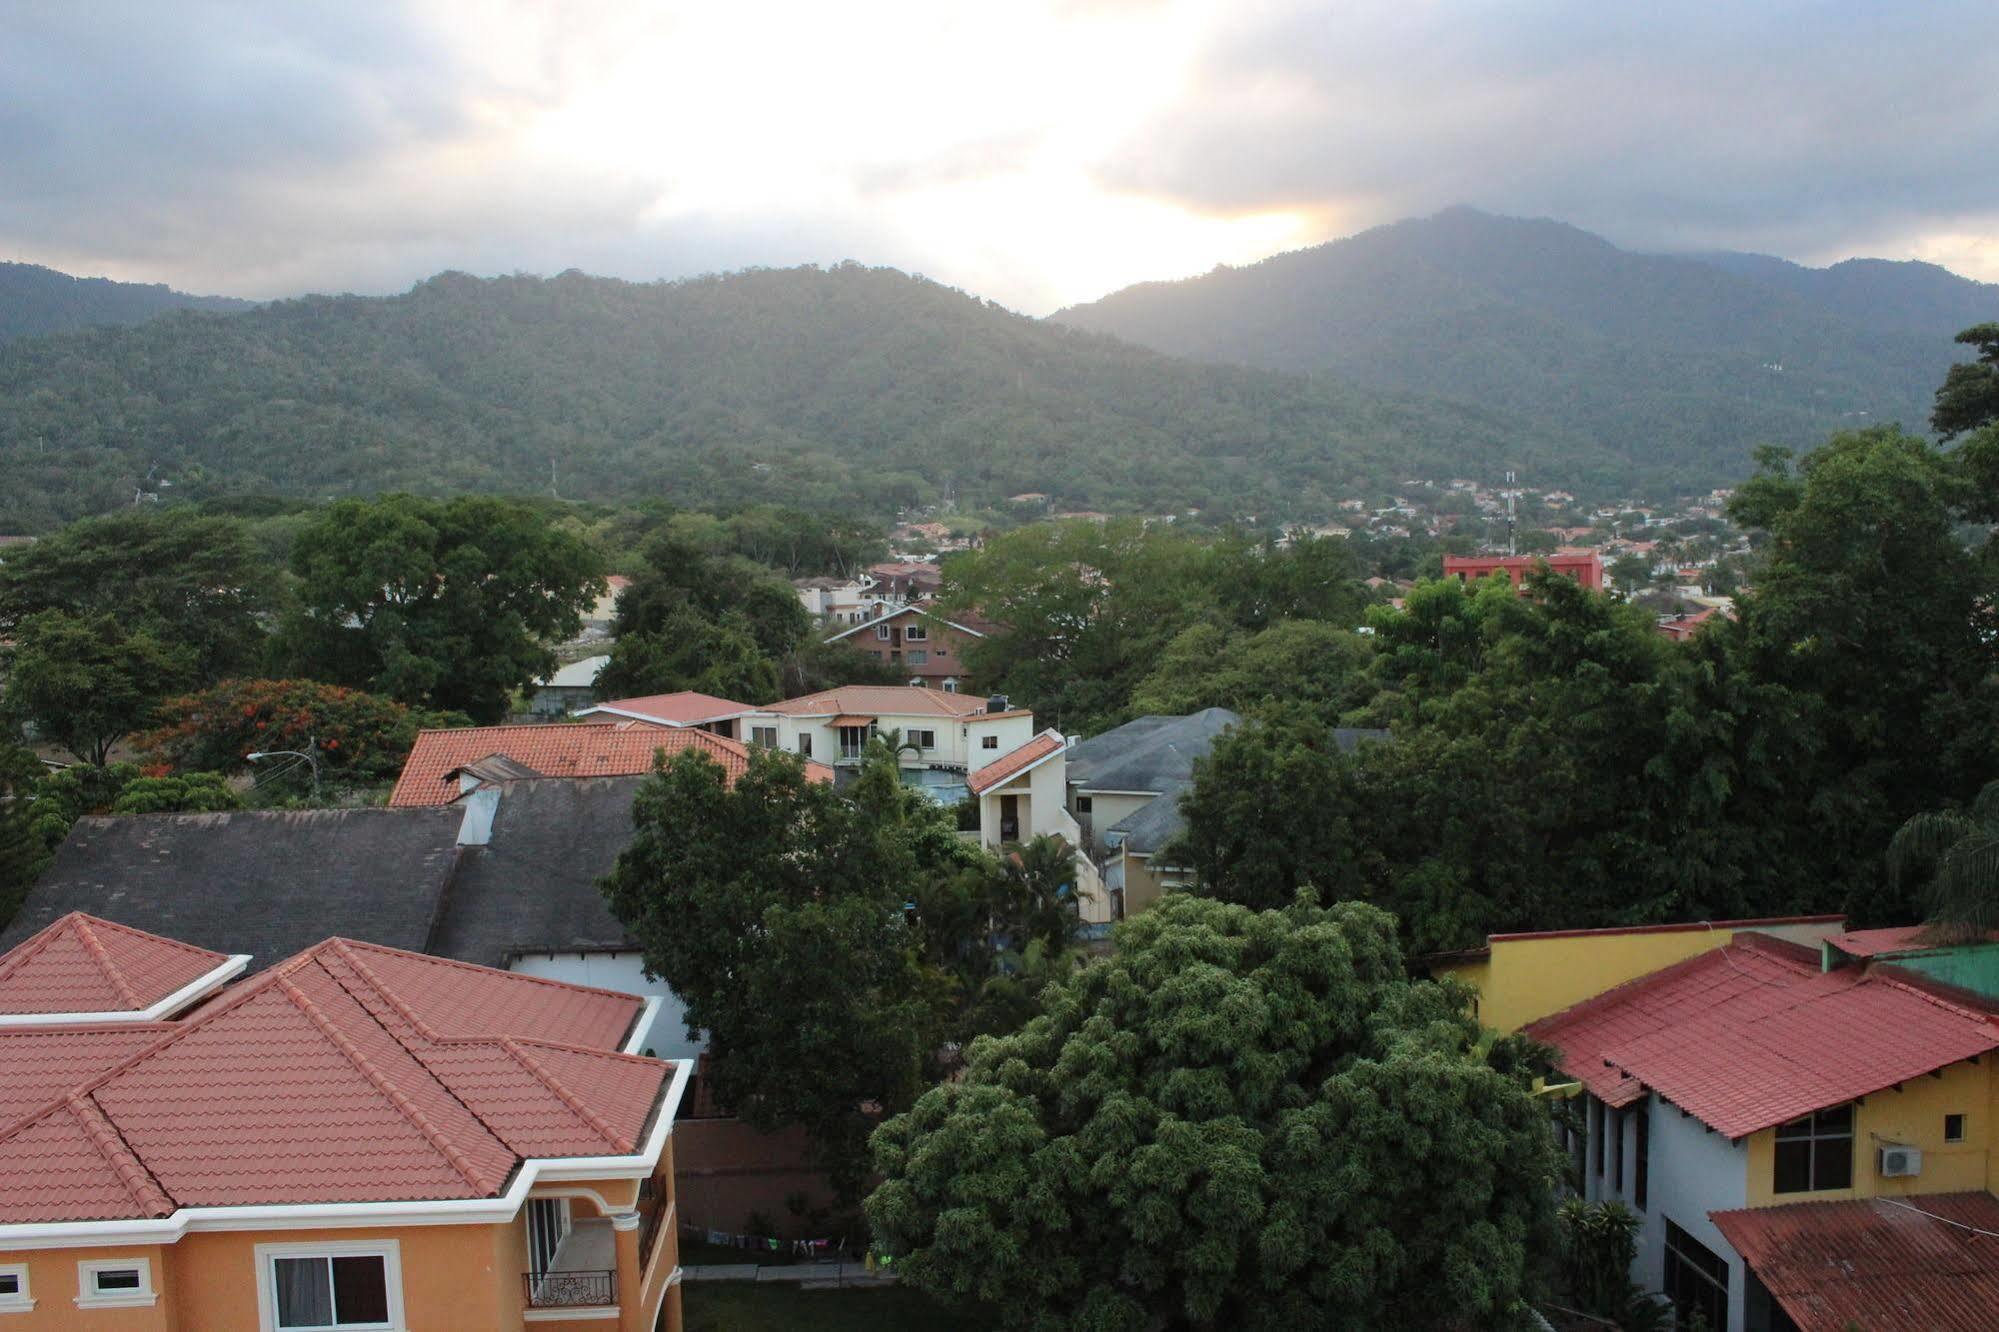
1035,151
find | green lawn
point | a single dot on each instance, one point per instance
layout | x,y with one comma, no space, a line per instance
771,1306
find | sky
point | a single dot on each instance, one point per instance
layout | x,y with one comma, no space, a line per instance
1036,152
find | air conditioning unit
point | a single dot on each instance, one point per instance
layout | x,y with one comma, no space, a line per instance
1895,1162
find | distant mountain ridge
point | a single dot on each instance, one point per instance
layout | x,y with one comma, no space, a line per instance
856,388
1679,365
36,300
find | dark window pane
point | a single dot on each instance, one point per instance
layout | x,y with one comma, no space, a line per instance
1797,1128
1839,1119
1832,1164
305,1298
1953,1128
118,1278
360,1290
10,1283
1794,1167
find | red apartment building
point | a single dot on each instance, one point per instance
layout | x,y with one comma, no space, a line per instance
1585,569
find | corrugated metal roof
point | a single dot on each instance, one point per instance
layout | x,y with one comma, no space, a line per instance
1886,1265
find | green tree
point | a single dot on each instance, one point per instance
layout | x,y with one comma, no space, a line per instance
85,682
1969,396
1954,855
447,604
187,793
1872,635
191,580
62,797
22,850
775,910
1299,661
691,651
1238,1120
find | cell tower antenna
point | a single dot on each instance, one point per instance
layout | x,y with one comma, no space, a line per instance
1512,542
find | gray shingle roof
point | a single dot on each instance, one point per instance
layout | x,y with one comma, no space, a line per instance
1148,754
533,887
269,883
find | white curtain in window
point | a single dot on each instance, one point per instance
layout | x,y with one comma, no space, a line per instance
305,1292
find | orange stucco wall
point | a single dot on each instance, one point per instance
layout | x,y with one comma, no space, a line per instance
52,1284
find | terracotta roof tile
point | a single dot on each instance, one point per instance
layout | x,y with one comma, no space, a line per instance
80,964
42,1063
553,750
1888,1265
348,1073
682,709
1753,1035
1018,761
882,701
1899,939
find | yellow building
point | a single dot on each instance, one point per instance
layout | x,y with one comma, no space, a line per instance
356,1138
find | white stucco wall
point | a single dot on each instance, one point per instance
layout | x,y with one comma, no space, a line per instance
1694,1172
624,972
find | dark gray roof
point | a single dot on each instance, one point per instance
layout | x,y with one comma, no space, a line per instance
1149,754
1145,830
269,883
533,887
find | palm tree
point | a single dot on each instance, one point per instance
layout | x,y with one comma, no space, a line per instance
1959,850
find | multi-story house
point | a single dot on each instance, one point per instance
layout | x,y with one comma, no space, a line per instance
358,1137
1802,1119
918,643
831,600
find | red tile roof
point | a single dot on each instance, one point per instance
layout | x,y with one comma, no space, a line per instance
553,750
1753,1035
1899,939
81,964
882,701
349,1073
685,708
1045,745
1888,1265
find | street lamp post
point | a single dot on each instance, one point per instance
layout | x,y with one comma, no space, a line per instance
310,754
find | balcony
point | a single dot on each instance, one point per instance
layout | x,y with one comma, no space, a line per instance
570,1290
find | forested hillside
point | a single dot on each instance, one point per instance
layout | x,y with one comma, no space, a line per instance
850,387
36,300
1679,365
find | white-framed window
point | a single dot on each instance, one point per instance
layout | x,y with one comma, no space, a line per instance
988,742
114,1283
916,633
548,1223
881,632
330,1286
14,1294
764,737
917,657
950,686
805,744
923,739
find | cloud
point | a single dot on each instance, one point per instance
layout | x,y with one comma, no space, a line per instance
1039,152
1802,127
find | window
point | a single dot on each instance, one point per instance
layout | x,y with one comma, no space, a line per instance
14,1297
764,737
805,746
1613,1129
1596,1136
917,657
1953,1128
1084,804
548,1223
923,739
1696,1278
114,1283
326,1286
950,686
915,633
881,632
988,742
1815,1152
1641,1151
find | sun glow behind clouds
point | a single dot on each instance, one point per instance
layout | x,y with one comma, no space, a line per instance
962,138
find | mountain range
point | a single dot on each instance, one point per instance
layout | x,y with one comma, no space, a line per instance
1455,345
1677,365
36,300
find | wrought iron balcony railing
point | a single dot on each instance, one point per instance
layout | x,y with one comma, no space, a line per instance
564,1290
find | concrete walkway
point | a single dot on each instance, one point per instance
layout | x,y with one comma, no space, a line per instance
811,1276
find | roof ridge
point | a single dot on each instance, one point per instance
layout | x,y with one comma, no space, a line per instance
1932,991
102,957
461,965
345,948
567,1097
383,1084
110,1144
